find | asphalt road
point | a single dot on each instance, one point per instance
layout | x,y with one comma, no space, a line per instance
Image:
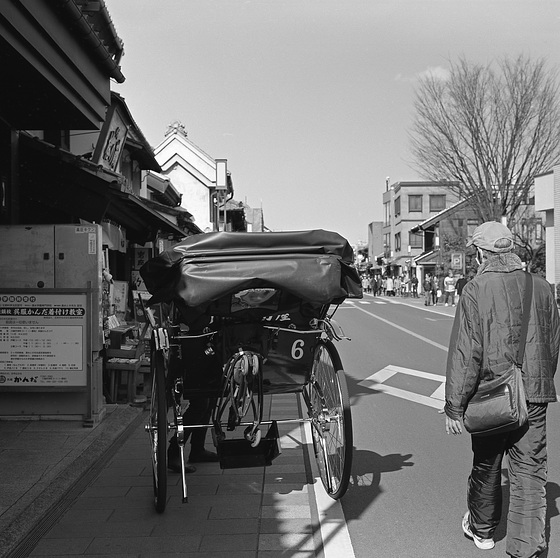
407,496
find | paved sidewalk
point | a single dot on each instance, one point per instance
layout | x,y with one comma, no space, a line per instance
41,461
239,513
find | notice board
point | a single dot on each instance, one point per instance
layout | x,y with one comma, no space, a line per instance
43,339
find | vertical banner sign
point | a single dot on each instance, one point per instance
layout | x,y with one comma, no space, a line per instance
43,340
111,140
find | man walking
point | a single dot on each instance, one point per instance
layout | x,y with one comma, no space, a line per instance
484,340
427,289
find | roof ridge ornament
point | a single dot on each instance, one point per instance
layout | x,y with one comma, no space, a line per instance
176,127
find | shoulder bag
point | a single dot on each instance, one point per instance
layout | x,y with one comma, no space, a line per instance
499,405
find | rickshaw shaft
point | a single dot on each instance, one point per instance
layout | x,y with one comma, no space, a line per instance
224,424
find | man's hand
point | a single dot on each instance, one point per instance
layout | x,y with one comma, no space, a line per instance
453,426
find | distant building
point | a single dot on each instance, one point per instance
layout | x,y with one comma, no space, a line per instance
254,218
375,244
445,235
547,200
405,205
193,174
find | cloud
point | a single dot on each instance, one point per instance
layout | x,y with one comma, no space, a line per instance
437,72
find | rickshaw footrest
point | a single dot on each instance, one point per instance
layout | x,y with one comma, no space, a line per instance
238,453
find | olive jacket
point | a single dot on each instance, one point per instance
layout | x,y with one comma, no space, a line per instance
485,335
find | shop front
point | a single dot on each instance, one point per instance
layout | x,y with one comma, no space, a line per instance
70,336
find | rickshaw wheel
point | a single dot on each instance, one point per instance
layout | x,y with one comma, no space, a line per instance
158,430
331,419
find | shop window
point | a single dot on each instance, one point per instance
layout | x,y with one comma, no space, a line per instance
414,203
387,207
531,230
471,225
397,206
415,240
387,244
437,202
538,230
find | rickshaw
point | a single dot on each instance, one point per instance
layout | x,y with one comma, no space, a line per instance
235,317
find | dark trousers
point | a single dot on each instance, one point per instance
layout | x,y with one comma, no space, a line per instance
198,412
527,470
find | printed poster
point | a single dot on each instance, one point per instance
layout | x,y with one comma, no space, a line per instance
43,339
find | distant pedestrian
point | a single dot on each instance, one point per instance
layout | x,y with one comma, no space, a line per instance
449,288
435,289
398,285
427,287
379,282
460,284
414,285
390,286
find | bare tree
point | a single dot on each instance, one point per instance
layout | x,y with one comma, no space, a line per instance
488,132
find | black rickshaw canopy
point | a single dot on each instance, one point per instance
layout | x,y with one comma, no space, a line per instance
316,266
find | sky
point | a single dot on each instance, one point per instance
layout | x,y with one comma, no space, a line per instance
310,101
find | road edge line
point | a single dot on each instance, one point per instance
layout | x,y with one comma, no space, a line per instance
332,523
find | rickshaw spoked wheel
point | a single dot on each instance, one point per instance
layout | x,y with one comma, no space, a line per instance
158,430
331,420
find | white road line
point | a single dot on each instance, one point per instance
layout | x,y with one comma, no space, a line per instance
439,393
376,382
422,338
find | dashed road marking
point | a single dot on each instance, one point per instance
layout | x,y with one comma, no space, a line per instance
393,324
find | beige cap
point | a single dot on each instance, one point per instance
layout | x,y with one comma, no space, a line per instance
486,236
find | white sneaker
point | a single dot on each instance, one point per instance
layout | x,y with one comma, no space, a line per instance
446,304
483,544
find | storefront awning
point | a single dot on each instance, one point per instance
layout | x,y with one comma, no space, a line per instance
435,219
401,261
66,184
429,258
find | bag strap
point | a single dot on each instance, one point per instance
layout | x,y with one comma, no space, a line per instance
525,320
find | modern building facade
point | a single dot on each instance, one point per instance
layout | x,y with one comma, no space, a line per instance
405,205
547,200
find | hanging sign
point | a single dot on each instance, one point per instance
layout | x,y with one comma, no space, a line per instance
111,140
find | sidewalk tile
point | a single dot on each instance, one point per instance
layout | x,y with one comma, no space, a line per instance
139,545
286,512
226,542
292,542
